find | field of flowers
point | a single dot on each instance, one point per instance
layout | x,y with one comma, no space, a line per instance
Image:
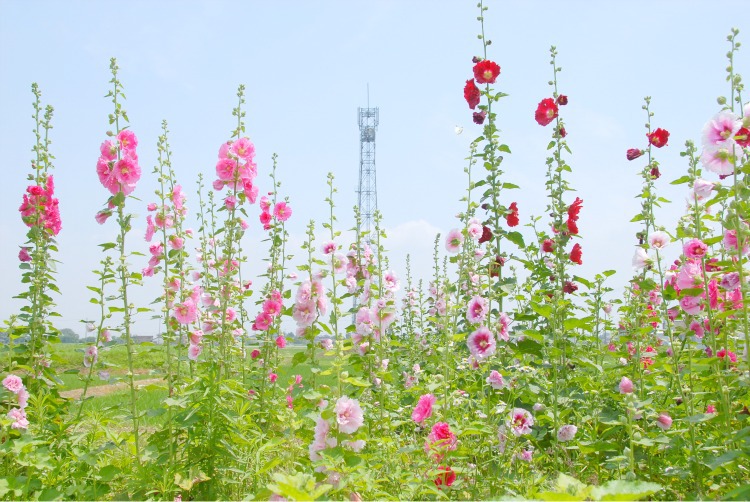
481,384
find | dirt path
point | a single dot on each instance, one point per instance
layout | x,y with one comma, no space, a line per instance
103,390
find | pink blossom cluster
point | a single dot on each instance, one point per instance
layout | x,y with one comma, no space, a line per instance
117,165
271,310
724,137
14,384
437,300
281,211
40,208
358,267
310,302
236,168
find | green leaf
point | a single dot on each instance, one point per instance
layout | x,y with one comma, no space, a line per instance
680,181
516,238
621,489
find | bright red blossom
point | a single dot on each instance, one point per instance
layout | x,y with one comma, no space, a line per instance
485,72
445,478
576,254
471,94
658,138
512,217
546,111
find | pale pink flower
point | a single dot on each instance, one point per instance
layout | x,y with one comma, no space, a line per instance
106,335
90,356
186,312
326,344
474,230
703,188
243,148
503,324
695,248
691,304
102,216
304,312
495,380
423,409
355,446
282,211
566,433
194,351
626,386
526,455
721,129
349,415
607,308
658,240
664,421
196,336
731,243
23,398
477,310
520,422
481,343
19,418
718,159
453,241
13,383
390,281
641,259
176,242
690,275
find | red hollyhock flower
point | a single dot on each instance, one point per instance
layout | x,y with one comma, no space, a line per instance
512,217
486,72
655,173
569,287
658,138
562,132
575,209
445,478
479,117
634,153
471,94
546,111
548,245
576,254
572,227
743,137
495,266
486,234
562,100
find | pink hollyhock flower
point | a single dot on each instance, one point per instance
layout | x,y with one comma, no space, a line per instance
194,351
272,307
126,171
24,255
23,398
440,439
13,383
486,71
477,310
102,216
730,281
230,202
525,455
108,150
349,415
445,478
607,308
641,259
176,242
721,129
481,343
272,377
697,328
280,341
106,336
730,241
546,111
495,380
566,433
520,422
658,240
243,148
390,281
186,312
255,354
453,241
658,138
90,356
689,276
664,421
355,446
695,248
262,321
197,336
721,354
691,304
503,324
423,409
326,344
127,140
626,386
19,418
282,211
718,159
710,409
702,188
471,94
328,247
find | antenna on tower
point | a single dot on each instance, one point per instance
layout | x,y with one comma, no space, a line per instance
367,190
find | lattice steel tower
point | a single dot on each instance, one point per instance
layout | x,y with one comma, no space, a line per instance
367,191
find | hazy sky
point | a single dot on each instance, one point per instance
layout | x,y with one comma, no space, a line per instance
306,66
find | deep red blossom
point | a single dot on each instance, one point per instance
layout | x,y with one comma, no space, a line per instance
445,478
658,138
743,137
562,132
546,111
548,245
576,254
569,287
512,217
486,72
655,173
471,94
486,234
562,100
479,117
495,266
634,153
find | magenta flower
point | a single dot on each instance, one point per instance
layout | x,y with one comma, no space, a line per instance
477,310
282,211
440,440
13,383
520,422
349,415
495,380
423,409
280,341
481,343
695,248
566,433
126,171
24,255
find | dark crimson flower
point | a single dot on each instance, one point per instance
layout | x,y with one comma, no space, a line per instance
445,478
486,234
576,254
658,138
562,100
471,94
475,60
569,287
486,72
655,173
479,117
485,206
634,153
548,245
495,266
512,217
562,132
743,137
546,111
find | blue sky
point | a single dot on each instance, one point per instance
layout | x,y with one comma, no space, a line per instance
306,66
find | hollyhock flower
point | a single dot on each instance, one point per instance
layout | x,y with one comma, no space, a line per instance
641,259
730,241
423,409
503,324
127,140
440,439
626,386
562,132
282,211
576,254
272,307
102,216
548,245
486,235
633,153
390,281
486,72
445,478
176,242
664,421
703,188
691,304
126,171
710,409
23,398
697,328
477,310
471,94
90,356
349,415
694,248
108,150
566,433
562,100
304,313
495,380
328,247
520,422
730,281
24,255
546,111
19,418
186,312
575,209
689,276
106,336
569,287
453,241
718,159
194,351
512,217
326,344
720,130
280,341
658,138
272,377
743,137
658,240
262,321
478,117
721,354
607,308
481,343
13,383
255,354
